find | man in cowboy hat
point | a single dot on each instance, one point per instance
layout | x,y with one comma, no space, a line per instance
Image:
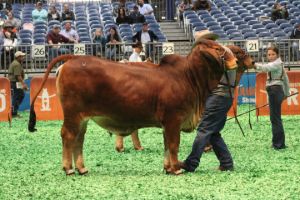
205,34
16,77
213,119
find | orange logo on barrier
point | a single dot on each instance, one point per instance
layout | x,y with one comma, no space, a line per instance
233,110
47,105
290,106
5,99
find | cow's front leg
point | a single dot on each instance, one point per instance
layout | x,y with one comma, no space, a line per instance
78,149
167,163
136,140
119,146
172,137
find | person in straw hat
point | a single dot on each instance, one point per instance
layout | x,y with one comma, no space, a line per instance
213,119
16,77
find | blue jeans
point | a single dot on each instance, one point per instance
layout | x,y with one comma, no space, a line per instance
276,97
54,52
212,122
18,96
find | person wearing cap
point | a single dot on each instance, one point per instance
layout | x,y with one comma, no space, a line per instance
144,8
16,77
213,119
137,49
145,36
135,16
55,39
39,14
10,41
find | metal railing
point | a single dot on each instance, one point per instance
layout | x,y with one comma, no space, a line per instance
38,56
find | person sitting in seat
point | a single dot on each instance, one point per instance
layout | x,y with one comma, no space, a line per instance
67,14
55,39
135,16
122,17
279,12
53,14
39,14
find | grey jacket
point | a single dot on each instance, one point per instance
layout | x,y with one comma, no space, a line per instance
276,75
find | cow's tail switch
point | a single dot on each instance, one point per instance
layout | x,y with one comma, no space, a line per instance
32,116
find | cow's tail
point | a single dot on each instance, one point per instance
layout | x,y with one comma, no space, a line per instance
32,116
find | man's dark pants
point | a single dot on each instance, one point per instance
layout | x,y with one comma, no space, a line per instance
18,96
212,122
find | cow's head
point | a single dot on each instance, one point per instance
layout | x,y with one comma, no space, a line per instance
244,59
222,54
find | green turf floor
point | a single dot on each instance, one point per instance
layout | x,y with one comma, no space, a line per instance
30,165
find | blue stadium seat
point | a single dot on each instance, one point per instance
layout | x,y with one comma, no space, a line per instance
212,23
229,27
250,35
239,22
224,23
265,35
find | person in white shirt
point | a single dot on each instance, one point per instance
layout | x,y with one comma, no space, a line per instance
145,9
137,49
70,33
277,87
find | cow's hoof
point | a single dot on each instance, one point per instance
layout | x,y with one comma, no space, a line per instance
176,172
82,171
139,148
120,149
70,172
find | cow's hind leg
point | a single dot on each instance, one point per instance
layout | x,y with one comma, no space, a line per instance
167,163
136,140
69,132
78,149
172,137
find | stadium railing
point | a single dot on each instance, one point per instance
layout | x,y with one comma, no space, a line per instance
38,56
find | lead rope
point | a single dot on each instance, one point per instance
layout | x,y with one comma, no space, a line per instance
248,89
228,84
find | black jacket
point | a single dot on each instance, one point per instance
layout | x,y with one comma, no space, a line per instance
138,35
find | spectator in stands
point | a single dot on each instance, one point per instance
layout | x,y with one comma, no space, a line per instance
53,14
122,17
279,12
10,41
121,5
137,49
99,42
295,35
16,77
70,33
183,6
39,14
112,40
55,40
201,5
67,14
277,87
16,23
135,16
3,15
145,36
145,9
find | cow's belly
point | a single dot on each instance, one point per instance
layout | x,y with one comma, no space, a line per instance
121,127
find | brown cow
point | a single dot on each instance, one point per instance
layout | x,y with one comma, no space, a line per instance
124,98
244,62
